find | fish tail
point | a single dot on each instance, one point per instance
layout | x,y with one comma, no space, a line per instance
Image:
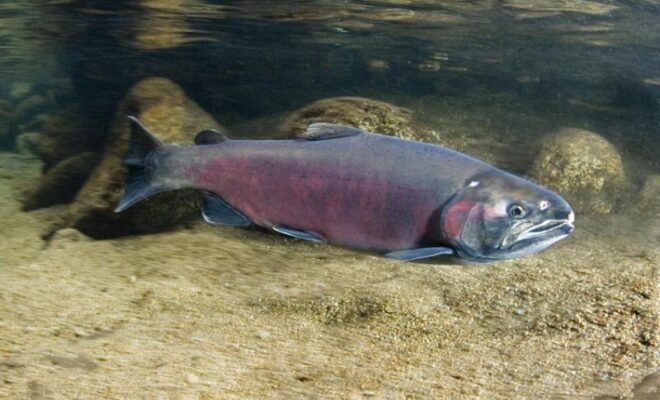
139,184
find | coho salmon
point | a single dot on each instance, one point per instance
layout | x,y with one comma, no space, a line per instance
336,184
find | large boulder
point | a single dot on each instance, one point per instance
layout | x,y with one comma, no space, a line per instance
371,115
583,167
164,108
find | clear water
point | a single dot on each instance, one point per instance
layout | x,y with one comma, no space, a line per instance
499,75
248,59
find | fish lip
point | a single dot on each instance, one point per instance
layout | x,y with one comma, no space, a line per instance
547,228
541,236
532,240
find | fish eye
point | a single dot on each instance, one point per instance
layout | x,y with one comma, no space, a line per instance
516,211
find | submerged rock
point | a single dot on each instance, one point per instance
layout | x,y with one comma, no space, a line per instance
371,115
648,198
164,108
61,183
583,167
385,118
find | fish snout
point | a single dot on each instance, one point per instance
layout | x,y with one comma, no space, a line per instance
571,217
565,215
569,222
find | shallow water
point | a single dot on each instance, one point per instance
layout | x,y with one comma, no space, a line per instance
194,311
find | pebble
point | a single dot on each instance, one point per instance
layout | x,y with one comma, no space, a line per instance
263,335
192,378
519,311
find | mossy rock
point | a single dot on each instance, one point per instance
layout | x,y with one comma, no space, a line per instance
370,115
583,167
164,108
367,114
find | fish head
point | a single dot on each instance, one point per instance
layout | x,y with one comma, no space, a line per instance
498,216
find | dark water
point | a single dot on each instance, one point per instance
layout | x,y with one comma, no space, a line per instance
516,69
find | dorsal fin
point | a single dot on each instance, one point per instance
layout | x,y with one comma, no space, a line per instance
324,131
142,141
210,136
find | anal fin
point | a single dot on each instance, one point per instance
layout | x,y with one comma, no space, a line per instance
298,234
420,253
219,212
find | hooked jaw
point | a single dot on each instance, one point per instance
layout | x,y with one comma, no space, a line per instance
549,226
539,236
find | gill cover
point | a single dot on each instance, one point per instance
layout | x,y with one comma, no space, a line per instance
462,221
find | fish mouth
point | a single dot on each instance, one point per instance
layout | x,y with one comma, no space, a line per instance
549,227
542,235
530,239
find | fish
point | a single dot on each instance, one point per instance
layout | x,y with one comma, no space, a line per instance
403,199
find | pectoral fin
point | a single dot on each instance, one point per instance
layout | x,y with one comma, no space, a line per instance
219,212
313,237
418,254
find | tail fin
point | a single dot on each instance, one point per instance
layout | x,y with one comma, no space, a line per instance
138,185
